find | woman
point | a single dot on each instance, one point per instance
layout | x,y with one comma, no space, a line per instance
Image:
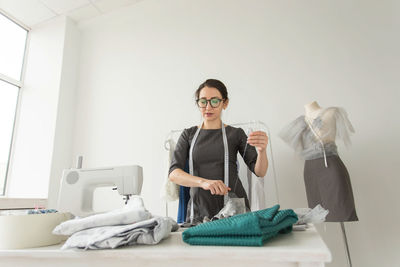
207,182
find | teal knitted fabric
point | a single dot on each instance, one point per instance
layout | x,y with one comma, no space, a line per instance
247,229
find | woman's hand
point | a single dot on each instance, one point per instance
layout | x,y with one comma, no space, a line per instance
259,139
217,187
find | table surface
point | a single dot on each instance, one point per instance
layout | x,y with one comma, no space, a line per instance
297,246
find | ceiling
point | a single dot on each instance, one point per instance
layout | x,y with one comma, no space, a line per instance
34,12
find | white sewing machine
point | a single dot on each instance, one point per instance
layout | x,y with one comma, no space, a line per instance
78,185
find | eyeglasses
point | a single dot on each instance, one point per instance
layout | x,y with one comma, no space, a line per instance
214,102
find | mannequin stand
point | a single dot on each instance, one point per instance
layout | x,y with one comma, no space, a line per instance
346,244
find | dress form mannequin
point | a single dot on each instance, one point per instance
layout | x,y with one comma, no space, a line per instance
312,111
327,181
327,131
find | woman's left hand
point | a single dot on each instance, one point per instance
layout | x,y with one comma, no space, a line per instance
259,139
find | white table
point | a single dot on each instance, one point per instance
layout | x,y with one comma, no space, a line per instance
302,248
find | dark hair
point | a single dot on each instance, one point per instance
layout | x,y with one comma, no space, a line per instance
215,84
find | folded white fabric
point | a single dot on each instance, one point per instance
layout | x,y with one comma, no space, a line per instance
131,213
150,232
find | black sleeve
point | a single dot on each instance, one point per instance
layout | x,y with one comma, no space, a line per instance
181,152
250,155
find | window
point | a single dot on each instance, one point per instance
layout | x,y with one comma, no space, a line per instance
12,51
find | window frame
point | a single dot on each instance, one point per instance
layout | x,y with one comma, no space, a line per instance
5,201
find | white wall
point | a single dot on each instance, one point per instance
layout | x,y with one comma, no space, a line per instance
62,148
140,66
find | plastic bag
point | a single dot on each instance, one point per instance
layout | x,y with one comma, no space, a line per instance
169,190
315,215
233,206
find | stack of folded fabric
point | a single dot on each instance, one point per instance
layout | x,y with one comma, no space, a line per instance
130,225
248,229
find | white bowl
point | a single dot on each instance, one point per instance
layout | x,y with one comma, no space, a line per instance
33,230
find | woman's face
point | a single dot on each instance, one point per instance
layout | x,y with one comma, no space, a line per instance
210,113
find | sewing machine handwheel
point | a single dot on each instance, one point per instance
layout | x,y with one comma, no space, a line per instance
72,177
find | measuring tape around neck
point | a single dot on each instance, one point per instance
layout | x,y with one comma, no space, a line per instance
226,163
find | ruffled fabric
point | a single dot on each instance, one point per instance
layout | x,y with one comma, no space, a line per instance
344,128
299,136
293,133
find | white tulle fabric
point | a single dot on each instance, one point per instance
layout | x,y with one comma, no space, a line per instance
331,124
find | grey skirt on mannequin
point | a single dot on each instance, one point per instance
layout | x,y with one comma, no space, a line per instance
331,187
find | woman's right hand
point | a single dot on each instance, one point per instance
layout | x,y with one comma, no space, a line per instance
217,187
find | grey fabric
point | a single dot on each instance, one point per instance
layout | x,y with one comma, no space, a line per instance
208,157
149,232
330,187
